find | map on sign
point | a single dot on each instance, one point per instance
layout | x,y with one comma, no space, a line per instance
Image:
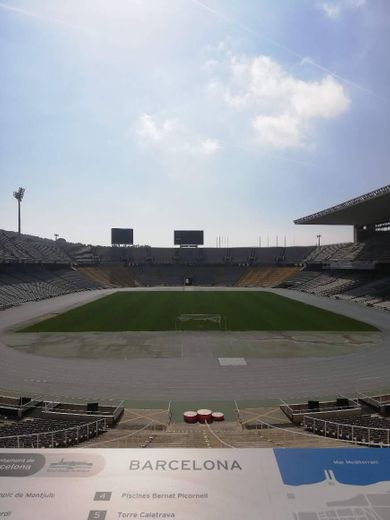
345,484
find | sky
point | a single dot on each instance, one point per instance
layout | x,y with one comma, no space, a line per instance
235,117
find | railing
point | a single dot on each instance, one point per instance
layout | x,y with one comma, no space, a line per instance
378,400
324,407
290,435
122,440
352,433
56,438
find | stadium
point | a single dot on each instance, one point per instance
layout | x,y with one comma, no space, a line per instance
128,346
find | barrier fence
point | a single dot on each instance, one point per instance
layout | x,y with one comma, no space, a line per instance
352,433
57,438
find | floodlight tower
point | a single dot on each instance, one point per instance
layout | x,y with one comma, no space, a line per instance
19,197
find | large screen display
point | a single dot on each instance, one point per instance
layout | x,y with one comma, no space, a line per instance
189,238
121,236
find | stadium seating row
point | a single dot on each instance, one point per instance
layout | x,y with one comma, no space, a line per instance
17,287
371,250
368,430
48,433
333,270
15,248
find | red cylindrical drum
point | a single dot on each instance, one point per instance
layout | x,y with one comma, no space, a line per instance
190,417
218,416
205,415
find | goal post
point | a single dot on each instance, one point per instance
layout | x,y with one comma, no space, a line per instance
200,322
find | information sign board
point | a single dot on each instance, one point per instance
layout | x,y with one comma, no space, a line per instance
280,484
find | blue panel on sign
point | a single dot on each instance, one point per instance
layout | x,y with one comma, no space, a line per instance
353,466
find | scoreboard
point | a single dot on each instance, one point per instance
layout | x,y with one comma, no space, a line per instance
121,236
188,238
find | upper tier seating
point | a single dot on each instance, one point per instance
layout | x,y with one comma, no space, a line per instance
30,249
375,249
17,287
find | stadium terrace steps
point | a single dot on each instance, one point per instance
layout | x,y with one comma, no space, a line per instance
269,276
181,435
325,253
364,287
110,275
371,250
17,287
30,249
30,268
176,275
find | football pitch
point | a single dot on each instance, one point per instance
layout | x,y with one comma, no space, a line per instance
193,310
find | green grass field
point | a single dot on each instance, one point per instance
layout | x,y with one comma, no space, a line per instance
158,311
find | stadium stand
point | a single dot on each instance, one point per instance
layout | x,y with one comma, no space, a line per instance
380,403
323,410
111,275
270,276
34,423
371,250
17,287
365,287
326,253
358,271
17,248
328,282
141,255
44,433
33,268
297,255
177,275
366,430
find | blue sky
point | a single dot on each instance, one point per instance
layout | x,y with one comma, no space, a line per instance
228,116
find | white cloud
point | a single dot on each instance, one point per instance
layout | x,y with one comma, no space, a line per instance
211,64
333,9
280,106
148,128
281,131
325,99
169,136
210,146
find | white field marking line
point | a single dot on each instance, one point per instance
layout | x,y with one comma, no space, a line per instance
206,439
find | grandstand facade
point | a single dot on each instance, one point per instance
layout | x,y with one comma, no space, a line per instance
369,214
33,268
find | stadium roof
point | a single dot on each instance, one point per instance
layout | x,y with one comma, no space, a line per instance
371,208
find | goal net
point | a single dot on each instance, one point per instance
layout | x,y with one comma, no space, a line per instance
200,322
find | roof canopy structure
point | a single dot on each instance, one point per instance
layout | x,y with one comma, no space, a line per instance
371,208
